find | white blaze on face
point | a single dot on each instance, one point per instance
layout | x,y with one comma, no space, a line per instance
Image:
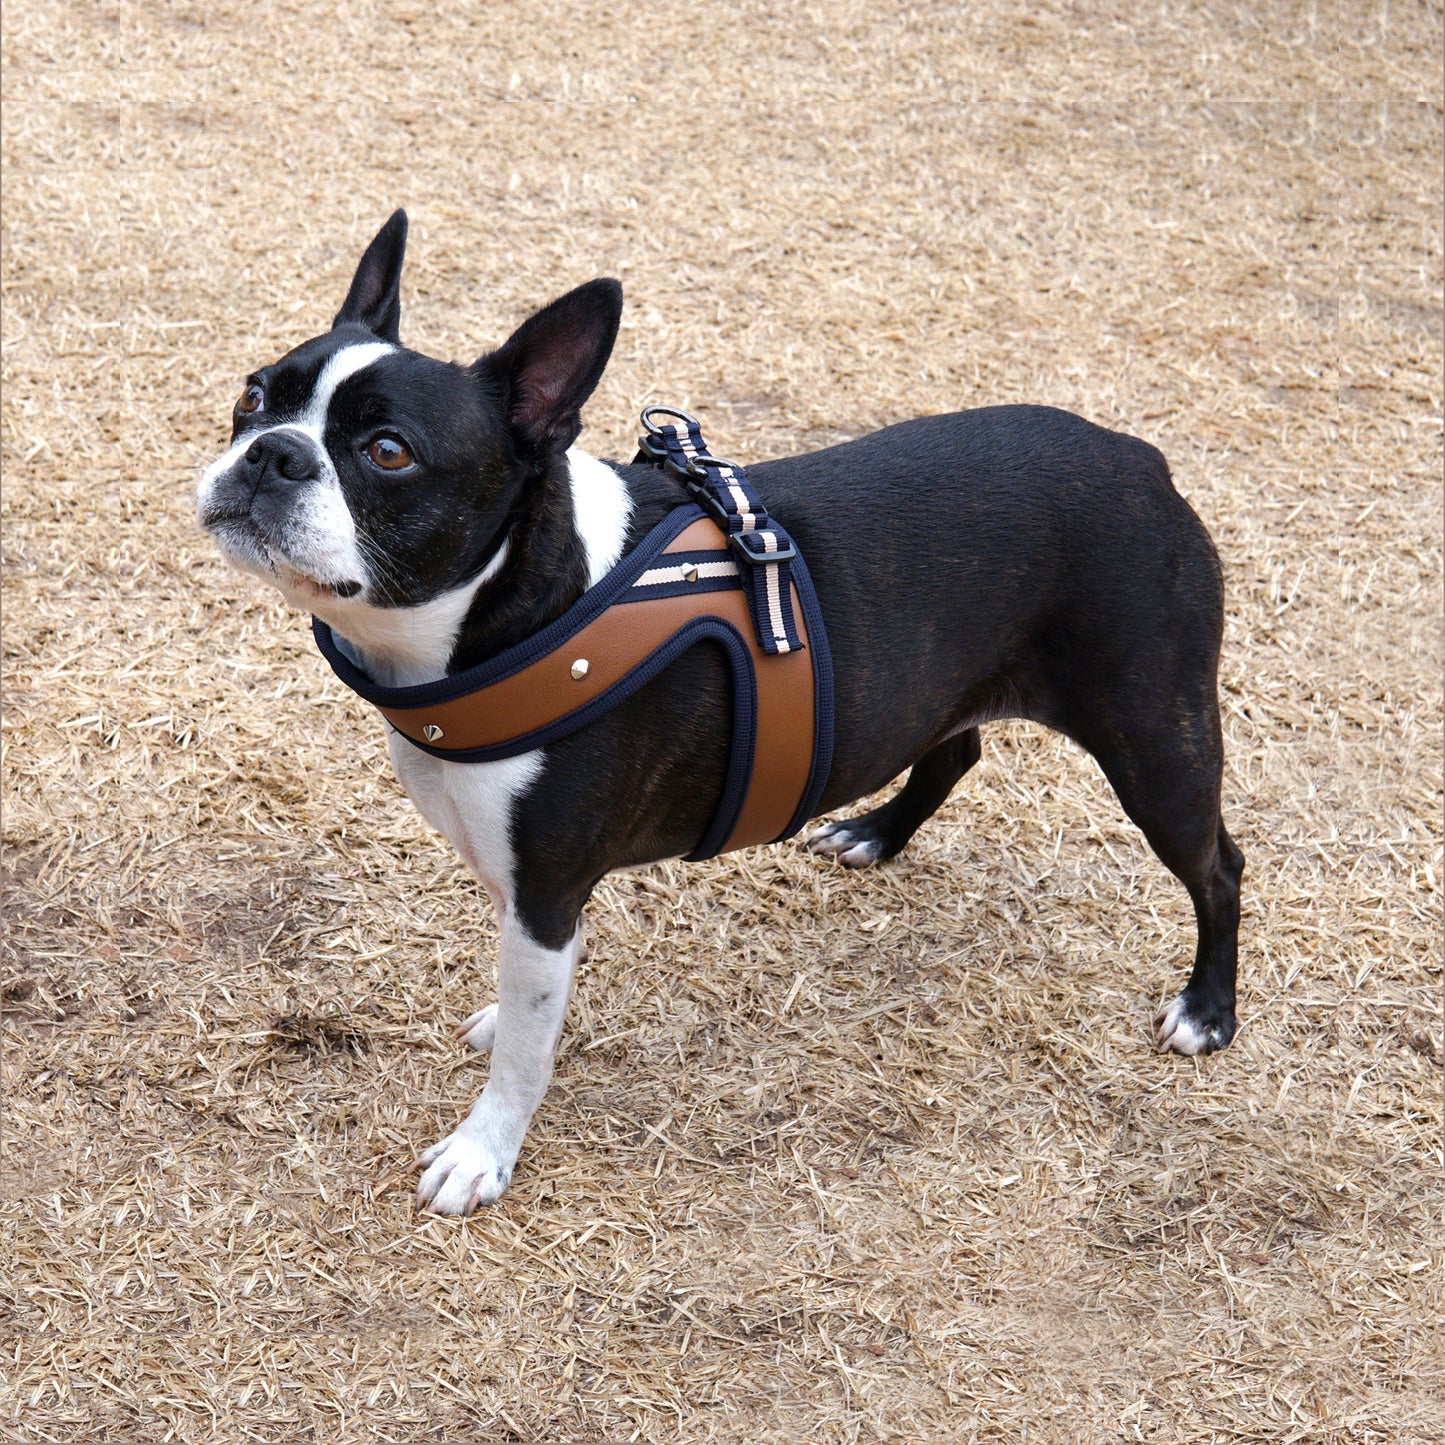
397,646
320,544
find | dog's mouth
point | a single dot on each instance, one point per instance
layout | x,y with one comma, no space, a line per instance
245,546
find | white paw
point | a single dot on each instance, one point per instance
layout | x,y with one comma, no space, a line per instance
1177,1032
479,1031
461,1173
849,848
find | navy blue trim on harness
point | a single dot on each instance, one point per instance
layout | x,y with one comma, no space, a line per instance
822,698
619,586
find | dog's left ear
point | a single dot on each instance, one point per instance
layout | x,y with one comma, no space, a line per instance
374,300
545,371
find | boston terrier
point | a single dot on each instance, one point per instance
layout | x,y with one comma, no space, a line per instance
1006,562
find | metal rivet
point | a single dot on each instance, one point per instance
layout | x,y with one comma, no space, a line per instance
580,668
431,732
691,574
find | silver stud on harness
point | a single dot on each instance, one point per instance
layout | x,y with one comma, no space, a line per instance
432,733
580,668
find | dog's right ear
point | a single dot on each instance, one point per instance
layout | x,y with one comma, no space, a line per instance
374,300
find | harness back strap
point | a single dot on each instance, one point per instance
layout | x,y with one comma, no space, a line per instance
722,489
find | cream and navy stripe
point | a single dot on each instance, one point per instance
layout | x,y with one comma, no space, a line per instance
767,585
690,573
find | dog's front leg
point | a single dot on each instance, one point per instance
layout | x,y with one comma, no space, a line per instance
473,1164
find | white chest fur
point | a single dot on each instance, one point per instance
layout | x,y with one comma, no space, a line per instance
471,805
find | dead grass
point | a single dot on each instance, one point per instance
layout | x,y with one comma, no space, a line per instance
829,1157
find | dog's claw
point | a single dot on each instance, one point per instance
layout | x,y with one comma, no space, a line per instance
461,1174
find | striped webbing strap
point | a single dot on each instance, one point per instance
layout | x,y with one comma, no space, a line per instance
763,549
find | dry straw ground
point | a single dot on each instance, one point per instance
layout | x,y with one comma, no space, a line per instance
829,1157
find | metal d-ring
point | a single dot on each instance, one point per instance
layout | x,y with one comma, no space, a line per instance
698,460
683,416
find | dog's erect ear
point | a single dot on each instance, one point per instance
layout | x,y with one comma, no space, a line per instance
374,300
545,371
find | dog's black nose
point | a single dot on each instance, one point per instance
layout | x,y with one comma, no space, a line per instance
281,457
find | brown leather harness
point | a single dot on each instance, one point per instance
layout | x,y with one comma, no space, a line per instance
688,581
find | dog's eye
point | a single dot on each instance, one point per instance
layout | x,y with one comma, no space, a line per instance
389,453
251,400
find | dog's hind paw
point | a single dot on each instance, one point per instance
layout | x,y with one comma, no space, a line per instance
479,1030
1184,1026
460,1174
853,846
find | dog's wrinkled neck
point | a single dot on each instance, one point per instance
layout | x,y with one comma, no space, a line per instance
549,556
577,518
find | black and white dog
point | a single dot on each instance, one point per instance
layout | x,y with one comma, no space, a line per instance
1013,561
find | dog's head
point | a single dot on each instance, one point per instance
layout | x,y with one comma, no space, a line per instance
359,469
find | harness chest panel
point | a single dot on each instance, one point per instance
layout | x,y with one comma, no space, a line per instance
680,587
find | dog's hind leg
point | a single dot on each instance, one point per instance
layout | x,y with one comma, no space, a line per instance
1166,769
874,836
1201,1019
